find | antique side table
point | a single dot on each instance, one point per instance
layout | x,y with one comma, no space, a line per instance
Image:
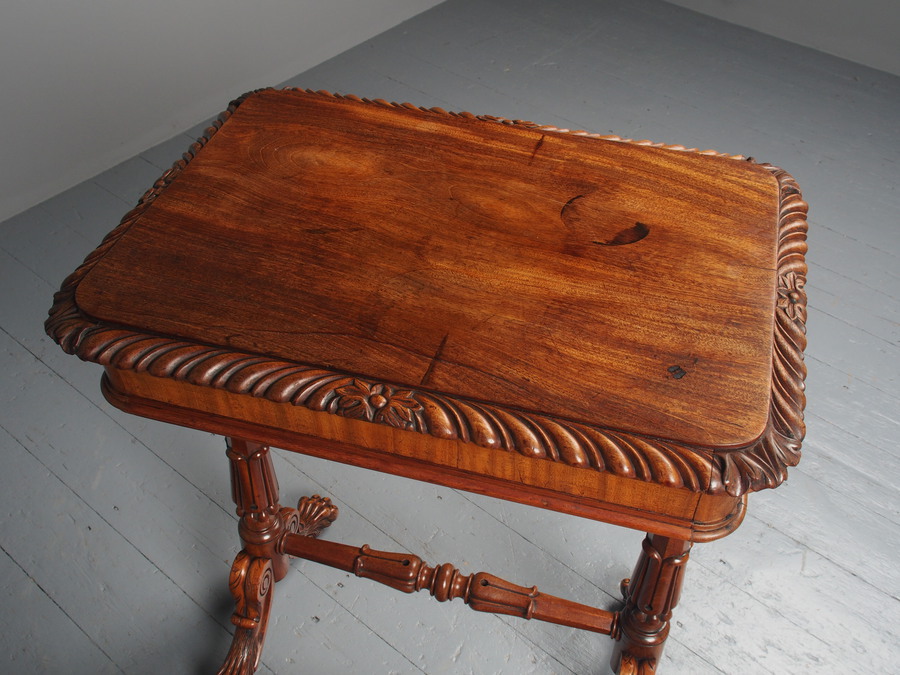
608,328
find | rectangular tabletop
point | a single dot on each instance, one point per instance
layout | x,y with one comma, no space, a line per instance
598,281
624,307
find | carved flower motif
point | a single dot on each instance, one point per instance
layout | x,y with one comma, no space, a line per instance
791,297
377,403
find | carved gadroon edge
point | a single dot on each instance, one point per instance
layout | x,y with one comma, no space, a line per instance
735,471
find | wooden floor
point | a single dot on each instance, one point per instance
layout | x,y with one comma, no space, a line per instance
118,533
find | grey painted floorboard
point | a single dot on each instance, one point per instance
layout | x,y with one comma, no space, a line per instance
118,532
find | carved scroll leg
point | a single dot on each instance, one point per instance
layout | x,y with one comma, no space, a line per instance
650,596
263,561
251,584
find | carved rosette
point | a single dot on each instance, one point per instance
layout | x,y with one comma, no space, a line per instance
736,471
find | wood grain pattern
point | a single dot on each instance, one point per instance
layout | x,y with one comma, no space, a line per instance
467,270
731,467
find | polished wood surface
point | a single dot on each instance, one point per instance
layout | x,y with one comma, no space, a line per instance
604,282
608,328
306,286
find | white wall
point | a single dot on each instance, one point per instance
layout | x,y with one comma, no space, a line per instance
85,84
865,31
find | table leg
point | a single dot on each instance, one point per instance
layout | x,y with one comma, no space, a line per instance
650,596
640,629
262,562
254,489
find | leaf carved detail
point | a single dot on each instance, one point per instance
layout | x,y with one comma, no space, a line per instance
735,471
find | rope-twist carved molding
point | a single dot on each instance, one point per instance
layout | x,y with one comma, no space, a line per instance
735,471
764,464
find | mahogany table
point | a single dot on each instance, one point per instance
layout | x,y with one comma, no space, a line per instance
608,328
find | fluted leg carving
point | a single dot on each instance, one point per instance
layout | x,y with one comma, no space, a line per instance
650,596
254,489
